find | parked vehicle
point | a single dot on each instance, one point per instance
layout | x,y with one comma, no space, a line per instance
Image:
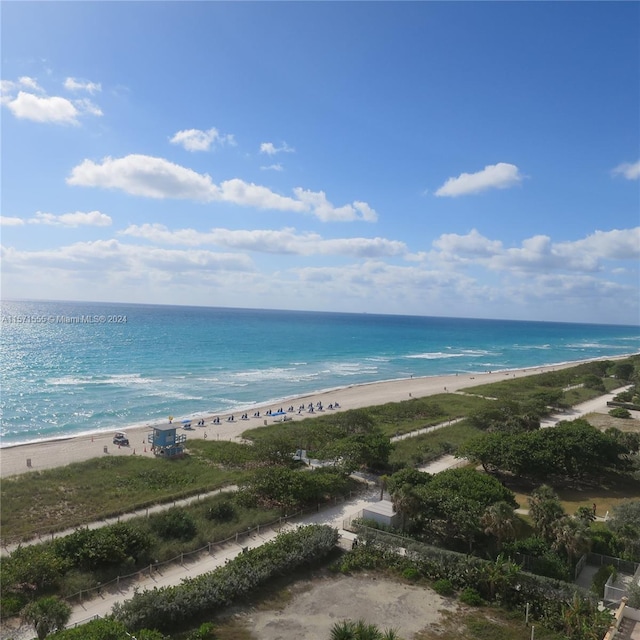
121,439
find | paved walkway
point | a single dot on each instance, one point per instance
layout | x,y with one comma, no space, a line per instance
7,549
334,516
174,573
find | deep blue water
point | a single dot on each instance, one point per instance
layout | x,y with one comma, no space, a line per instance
73,367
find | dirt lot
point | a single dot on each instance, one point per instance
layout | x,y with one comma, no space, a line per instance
315,607
604,421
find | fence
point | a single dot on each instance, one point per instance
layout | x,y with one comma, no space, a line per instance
211,547
613,593
623,566
580,566
351,523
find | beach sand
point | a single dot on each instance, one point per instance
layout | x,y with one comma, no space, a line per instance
55,453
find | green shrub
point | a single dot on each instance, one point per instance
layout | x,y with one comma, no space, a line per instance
222,511
634,596
411,574
604,541
171,607
107,629
443,587
470,596
205,631
600,579
619,412
95,549
174,524
11,604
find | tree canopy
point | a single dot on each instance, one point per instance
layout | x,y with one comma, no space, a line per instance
571,449
450,505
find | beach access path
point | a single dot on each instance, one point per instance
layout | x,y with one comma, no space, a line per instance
334,516
597,405
49,454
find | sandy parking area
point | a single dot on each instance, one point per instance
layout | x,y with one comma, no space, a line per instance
317,605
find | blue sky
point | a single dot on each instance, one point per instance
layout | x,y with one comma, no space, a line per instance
473,159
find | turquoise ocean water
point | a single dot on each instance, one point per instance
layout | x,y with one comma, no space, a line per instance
76,367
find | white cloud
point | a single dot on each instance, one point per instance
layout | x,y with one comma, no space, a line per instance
197,140
539,279
112,256
496,176
270,149
253,195
472,245
325,211
42,109
147,176
617,244
73,84
629,170
273,167
76,219
86,106
27,100
282,242
539,253
11,222
29,83
154,177
9,87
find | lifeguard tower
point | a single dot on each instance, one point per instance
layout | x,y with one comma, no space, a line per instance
166,443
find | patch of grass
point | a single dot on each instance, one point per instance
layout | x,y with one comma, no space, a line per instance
603,421
609,492
522,389
223,452
393,418
484,624
428,446
228,628
83,492
397,418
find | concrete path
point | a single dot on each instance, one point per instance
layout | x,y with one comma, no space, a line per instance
174,573
597,405
157,508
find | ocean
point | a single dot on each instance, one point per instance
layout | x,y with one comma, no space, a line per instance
77,367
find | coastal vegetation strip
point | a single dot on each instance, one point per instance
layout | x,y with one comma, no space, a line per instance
53,500
273,480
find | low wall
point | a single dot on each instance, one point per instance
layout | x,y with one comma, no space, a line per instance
631,613
617,619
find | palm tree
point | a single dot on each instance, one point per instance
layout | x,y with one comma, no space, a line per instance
366,631
344,630
499,520
47,615
406,503
586,515
571,536
360,630
545,509
500,575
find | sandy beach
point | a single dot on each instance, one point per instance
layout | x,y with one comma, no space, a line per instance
54,453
